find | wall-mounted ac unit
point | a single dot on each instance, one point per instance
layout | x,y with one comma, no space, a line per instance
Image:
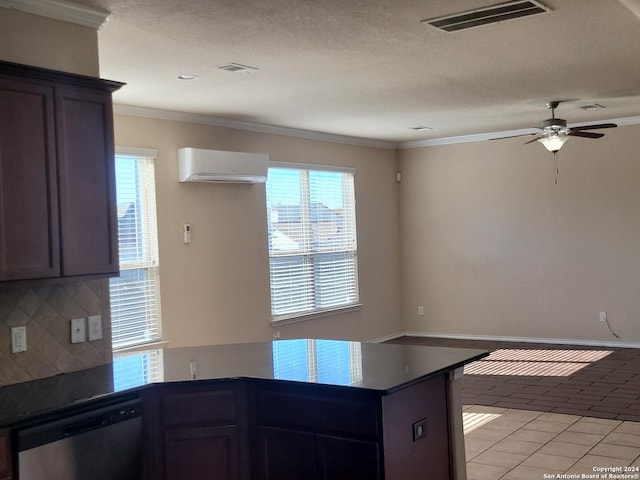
216,166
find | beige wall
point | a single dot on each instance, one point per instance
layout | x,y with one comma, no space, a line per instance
216,289
490,246
43,42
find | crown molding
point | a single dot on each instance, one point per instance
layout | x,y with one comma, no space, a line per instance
131,111
477,137
632,5
61,10
480,137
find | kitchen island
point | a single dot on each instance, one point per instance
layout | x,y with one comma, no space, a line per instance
293,409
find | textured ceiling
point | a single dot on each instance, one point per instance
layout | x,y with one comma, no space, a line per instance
369,68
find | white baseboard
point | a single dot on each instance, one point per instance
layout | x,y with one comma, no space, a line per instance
386,338
561,341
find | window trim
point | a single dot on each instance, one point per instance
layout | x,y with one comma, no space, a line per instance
287,319
311,166
136,152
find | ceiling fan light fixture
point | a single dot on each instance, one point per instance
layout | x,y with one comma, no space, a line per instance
553,143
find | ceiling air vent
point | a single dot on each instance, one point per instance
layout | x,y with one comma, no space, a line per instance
237,68
487,15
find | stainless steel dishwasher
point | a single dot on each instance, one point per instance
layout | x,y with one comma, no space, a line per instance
99,444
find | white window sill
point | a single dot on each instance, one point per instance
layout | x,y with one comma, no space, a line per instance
143,346
297,318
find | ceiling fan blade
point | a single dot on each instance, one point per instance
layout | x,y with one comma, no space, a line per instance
585,134
533,140
514,136
595,127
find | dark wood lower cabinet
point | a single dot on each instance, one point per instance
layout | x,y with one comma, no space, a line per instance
285,454
205,453
6,470
426,457
347,459
265,430
196,431
292,455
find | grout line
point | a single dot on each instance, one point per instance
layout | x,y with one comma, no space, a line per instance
566,426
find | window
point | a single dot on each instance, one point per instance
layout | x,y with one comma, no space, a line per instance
312,240
135,295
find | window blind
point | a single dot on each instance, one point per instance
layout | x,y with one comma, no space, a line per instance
312,240
135,294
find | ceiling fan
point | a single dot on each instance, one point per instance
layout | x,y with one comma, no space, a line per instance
555,131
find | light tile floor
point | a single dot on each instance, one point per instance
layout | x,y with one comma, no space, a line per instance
513,444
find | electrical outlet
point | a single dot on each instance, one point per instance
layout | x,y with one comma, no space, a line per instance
95,327
186,231
419,429
603,317
18,339
78,331
421,310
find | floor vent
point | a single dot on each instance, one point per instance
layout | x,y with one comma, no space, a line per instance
487,15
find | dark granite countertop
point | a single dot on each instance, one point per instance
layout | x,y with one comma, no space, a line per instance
383,368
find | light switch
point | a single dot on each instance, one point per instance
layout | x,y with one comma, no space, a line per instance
78,331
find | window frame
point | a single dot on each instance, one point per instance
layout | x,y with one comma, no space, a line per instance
299,316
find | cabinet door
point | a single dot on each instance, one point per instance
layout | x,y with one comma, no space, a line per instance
347,459
29,237
204,453
86,164
286,454
5,457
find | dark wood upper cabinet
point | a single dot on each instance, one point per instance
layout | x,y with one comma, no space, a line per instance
58,212
29,233
86,173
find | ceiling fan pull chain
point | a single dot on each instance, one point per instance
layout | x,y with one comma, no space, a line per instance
555,168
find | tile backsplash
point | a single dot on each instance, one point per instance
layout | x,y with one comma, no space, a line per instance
46,307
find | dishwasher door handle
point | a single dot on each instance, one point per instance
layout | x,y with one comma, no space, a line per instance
84,425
